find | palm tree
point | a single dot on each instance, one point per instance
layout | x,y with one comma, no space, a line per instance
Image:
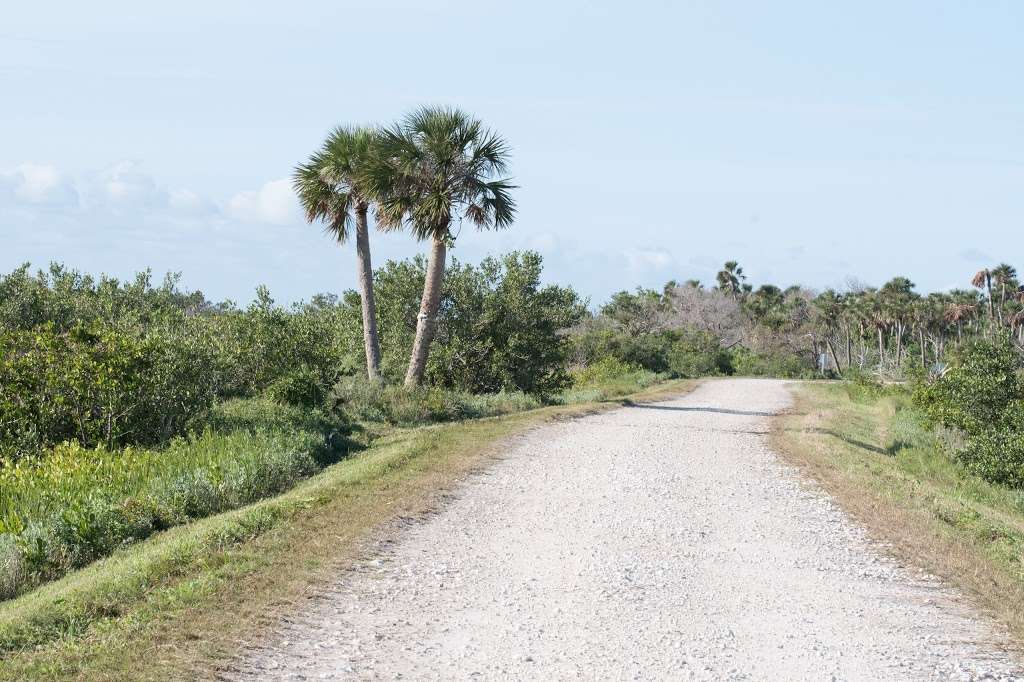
1005,276
330,190
437,165
983,280
730,278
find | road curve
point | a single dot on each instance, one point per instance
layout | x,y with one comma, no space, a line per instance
650,542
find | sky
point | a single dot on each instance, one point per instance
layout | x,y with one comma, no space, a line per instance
812,142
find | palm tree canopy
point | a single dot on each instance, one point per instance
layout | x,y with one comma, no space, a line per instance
328,184
1004,274
980,278
437,164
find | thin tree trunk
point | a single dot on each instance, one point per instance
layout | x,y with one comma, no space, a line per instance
849,349
371,341
924,360
426,322
832,350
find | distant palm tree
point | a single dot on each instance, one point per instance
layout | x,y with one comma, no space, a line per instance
730,279
438,165
330,190
983,280
1005,277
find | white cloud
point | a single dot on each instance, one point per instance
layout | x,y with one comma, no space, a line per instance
648,260
188,202
124,184
33,183
273,203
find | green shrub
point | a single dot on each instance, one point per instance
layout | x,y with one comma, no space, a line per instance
746,362
497,327
603,370
98,385
996,455
975,392
376,402
698,354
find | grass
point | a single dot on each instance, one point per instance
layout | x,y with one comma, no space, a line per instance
872,453
73,505
177,605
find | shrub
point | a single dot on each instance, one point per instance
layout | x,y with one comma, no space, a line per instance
698,354
98,386
497,327
771,364
997,455
375,401
975,392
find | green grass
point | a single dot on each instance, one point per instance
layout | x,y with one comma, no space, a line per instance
872,451
73,505
175,605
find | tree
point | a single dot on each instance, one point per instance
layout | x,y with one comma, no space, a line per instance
1005,277
730,279
983,280
437,165
330,188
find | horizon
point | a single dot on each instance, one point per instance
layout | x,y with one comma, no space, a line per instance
648,146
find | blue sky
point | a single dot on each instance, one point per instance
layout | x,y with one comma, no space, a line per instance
812,142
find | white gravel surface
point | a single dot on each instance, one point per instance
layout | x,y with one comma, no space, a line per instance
651,542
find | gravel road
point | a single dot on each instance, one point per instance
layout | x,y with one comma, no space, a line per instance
660,541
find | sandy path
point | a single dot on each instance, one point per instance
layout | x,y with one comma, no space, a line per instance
654,542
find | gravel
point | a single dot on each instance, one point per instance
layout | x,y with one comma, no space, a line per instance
660,541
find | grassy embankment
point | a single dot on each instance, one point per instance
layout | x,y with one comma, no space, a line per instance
176,605
872,453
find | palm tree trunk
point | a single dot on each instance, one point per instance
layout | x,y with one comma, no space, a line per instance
426,322
371,340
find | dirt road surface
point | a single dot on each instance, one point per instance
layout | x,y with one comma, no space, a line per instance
651,542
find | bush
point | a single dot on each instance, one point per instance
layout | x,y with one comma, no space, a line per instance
98,386
375,401
996,455
497,327
696,354
746,362
982,396
975,392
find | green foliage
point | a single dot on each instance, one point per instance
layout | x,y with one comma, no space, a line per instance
371,401
72,504
976,391
497,327
982,395
996,455
99,385
693,354
746,362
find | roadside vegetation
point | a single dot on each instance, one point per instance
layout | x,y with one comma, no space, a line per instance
933,467
130,409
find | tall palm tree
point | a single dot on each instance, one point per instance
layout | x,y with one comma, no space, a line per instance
330,189
436,166
730,278
1005,277
983,280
